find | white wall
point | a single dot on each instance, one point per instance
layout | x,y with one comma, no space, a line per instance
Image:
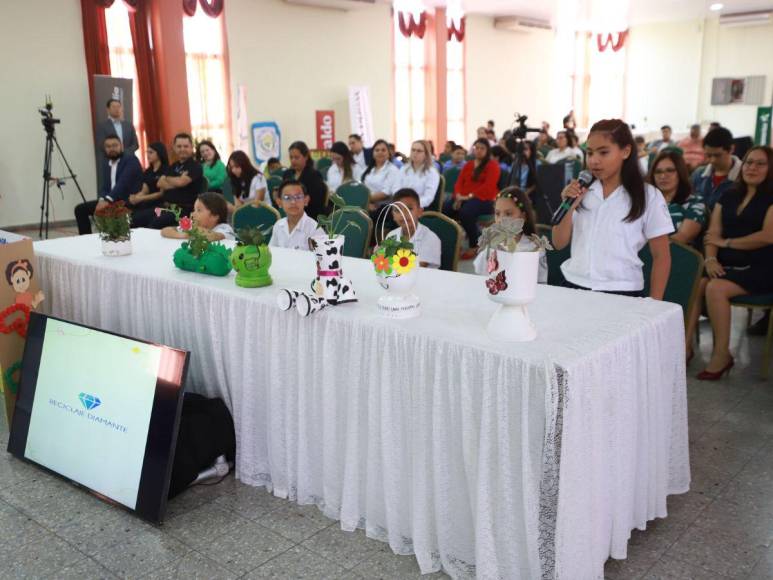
507,72
295,60
42,44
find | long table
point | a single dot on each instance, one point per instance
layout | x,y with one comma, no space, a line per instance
530,460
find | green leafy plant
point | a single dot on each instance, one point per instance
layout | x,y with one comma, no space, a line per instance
331,223
113,222
504,235
254,236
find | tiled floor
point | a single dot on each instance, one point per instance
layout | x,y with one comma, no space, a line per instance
722,528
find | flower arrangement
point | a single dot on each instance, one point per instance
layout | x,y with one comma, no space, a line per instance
394,256
113,222
506,234
198,254
330,223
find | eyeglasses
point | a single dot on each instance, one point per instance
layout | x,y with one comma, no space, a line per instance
668,171
293,198
417,150
752,162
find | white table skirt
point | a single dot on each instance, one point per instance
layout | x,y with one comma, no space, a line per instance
502,461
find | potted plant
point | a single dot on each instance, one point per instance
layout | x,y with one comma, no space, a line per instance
251,258
512,281
198,254
113,223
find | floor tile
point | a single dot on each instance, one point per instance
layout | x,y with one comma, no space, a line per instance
346,549
141,554
82,570
673,569
295,522
390,566
201,526
250,502
38,559
192,566
298,564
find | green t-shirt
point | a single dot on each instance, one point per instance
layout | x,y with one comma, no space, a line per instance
215,174
692,209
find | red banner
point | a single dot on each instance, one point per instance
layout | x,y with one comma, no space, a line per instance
326,129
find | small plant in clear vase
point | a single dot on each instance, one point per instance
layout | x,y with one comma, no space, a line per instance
113,222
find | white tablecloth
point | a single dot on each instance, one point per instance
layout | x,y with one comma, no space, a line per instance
502,461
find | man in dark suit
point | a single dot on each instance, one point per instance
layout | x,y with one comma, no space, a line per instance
362,156
121,177
114,125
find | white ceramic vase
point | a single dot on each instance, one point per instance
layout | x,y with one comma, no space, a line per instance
513,286
399,302
116,248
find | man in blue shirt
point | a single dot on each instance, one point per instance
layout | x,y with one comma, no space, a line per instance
712,180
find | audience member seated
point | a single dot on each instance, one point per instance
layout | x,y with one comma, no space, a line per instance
474,193
248,185
121,176
502,156
362,156
739,254
293,231
425,242
544,143
210,216
688,212
566,150
302,169
213,167
692,148
273,165
458,158
148,198
570,122
448,151
381,177
343,169
723,168
514,203
480,133
665,141
420,174
397,159
528,168
182,185
491,136
643,154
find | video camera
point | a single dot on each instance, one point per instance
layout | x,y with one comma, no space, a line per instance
47,113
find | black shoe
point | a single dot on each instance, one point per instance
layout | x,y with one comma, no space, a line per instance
759,328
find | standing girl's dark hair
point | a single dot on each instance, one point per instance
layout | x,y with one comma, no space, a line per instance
684,189
372,164
211,145
620,134
523,203
340,148
483,162
241,184
766,187
303,149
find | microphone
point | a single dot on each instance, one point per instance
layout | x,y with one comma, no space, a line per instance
585,179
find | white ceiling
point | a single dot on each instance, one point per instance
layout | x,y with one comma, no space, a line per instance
640,11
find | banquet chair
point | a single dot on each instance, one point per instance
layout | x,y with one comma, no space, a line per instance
323,164
450,234
450,176
555,257
204,186
759,302
250,216
504,179
354,193
228,191
684,279
357,238
272,184
440,194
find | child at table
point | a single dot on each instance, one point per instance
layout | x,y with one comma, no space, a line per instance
513,203
210,215
293,231
425,242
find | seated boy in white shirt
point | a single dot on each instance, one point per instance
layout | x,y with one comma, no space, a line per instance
293,231
425,243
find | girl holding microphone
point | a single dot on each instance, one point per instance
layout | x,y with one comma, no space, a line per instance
612,219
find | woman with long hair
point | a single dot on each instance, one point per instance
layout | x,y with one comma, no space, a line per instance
566,148
381,177
302,169
609,222
213,168
343,169
248,185
148,198
688,212
420,174
739,254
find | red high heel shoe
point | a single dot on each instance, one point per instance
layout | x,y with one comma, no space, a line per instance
710,376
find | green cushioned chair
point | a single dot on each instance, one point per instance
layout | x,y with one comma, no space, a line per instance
684,279
451,175
485,220
450,234
504,179
354,193
759,302
440,194
272,184
323,164
555,257
228,191
250,216
203,186
444,157
357,239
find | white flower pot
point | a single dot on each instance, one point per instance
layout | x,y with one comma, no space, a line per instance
116,248
511,323
399,303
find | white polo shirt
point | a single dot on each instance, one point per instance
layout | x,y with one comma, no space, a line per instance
298,239
425,183
605,248
426,244
385,179
335,175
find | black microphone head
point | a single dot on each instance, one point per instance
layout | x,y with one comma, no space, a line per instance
585,178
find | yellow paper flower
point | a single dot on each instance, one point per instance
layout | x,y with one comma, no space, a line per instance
404,261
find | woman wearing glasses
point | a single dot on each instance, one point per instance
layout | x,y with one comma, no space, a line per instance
739,254
420,174
688,212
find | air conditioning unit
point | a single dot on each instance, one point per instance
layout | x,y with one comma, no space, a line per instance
759,18
342,5
520,24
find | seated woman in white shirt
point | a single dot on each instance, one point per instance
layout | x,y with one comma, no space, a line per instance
248,185
611,221
381,177
425,242
210,216
344,169
566,149
293,231
420,174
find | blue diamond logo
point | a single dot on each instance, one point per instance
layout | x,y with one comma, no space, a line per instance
89,401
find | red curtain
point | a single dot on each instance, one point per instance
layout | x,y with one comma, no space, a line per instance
146,71
95,45
212,8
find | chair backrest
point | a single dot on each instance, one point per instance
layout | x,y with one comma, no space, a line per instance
555,257
250,216
228,191
451,175
357,239
450,234
437,201
684,278
504,179
323,163
272,184
354,193
203,185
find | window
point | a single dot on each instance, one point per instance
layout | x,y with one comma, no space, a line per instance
122,64
455,101
207,79
410,124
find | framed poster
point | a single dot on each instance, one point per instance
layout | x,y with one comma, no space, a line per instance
266,141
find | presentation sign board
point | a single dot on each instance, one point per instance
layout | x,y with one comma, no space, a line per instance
326,129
